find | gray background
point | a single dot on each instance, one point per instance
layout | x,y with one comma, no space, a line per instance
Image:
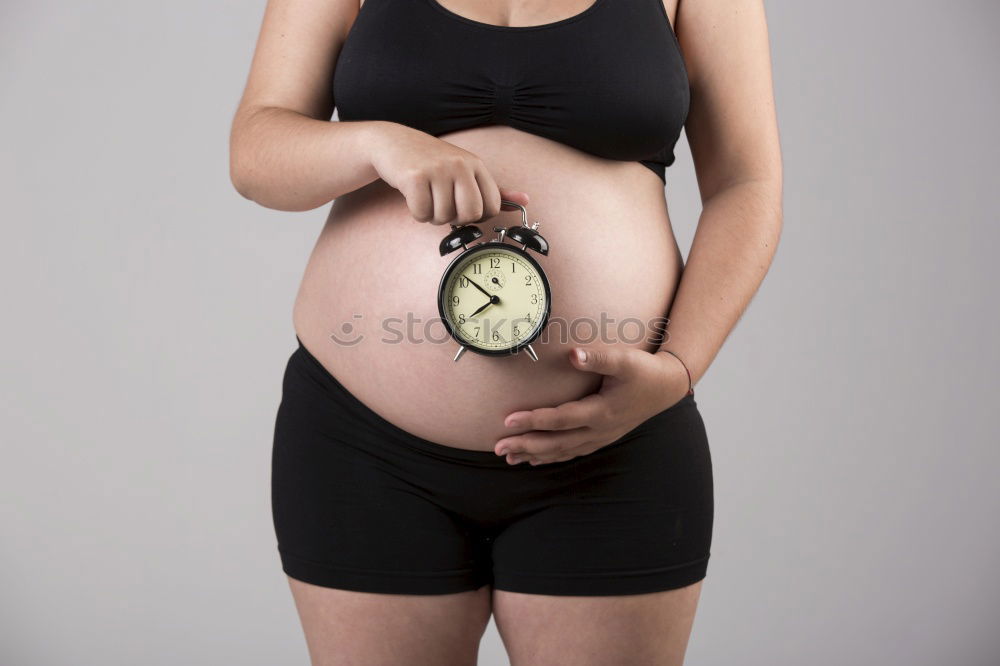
147,323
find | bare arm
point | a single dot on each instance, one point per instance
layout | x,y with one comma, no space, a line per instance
284,151
286,154
733,134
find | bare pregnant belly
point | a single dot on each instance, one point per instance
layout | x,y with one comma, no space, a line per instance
367,307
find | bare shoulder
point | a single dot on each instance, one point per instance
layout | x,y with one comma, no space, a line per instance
296,54
732,124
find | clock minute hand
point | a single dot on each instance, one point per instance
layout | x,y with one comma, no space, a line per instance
477,286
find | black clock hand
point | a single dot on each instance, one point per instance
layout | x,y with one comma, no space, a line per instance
493,299
477,286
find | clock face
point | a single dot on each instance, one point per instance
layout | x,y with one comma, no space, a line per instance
494,298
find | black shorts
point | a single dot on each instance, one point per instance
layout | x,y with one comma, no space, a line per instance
360,504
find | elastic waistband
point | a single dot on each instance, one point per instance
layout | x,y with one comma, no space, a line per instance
338,393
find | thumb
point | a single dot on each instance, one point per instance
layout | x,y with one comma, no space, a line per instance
513,195
604,360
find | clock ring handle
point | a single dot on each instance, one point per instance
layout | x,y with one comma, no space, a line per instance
524,212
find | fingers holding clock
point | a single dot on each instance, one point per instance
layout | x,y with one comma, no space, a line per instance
445,207
477,197
489,196
513,195
481,197
464,196
467,196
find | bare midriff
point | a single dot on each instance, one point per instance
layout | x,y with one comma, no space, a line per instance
367,306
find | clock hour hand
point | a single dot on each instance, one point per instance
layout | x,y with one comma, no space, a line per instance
477,286
493,299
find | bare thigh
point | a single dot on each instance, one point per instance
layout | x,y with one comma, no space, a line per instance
344,627
636,629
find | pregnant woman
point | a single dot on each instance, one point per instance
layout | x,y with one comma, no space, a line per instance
568,492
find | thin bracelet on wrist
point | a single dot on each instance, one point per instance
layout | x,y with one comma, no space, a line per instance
683,365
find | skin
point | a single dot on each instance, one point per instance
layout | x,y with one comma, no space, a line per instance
393,189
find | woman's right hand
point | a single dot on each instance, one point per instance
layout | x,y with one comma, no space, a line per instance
442,183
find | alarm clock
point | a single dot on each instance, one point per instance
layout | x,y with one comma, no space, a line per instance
494,298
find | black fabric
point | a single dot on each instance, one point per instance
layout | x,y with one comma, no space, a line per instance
610,80
360,504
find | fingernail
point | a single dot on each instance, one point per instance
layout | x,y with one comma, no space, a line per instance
581,355
503,452
513,423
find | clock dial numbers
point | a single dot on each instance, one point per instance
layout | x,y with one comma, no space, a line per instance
494,299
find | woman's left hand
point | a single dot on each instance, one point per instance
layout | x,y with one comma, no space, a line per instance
636,385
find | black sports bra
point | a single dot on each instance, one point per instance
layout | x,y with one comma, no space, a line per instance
610,81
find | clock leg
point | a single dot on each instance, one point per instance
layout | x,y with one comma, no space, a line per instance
458,355
531,353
